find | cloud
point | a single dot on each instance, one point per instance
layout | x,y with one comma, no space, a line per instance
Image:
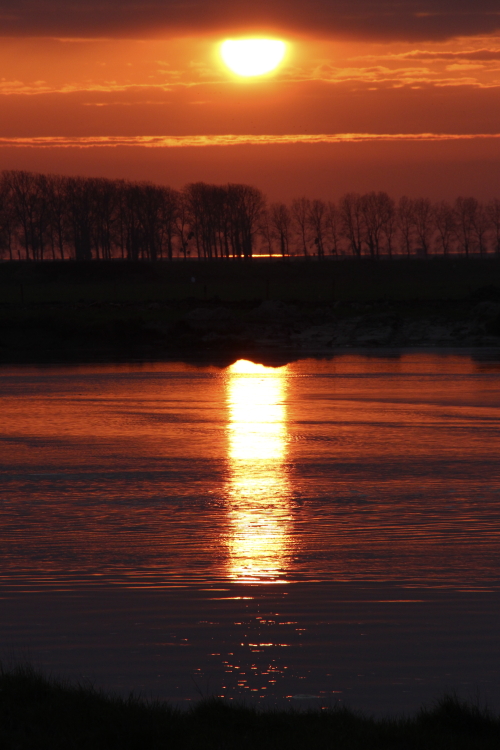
463,66
342,79
410,20
8,88
479,55
197,141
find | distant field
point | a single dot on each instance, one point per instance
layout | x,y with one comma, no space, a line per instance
295,280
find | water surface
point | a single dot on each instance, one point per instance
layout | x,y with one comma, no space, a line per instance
326,528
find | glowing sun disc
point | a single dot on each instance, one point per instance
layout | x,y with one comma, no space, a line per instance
252,57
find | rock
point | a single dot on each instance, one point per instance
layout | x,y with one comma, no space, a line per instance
315,336
374,337
272,310
489,292
208,315
438,333
487,309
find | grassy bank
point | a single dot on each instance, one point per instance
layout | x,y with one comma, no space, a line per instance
37,714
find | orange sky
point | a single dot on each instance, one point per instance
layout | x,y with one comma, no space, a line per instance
91,105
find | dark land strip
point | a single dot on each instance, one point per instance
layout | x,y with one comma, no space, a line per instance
37,713
274,311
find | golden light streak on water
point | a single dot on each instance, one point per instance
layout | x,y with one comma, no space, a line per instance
260,517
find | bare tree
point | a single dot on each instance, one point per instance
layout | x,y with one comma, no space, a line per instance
81,205
351,217
317,222
105,194
376,209
464,214
7,221
446,227
281,222
481,226
301,210
333,224
247,204
266,231
57,212
405,219
148,209
424,224
493,210
389,222
134,231
121,223
29,206
182,225
199,200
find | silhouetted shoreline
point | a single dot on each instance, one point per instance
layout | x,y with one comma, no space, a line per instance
281,328
45,713
70,312
270,330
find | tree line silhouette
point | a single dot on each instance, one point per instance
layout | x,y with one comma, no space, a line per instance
52,217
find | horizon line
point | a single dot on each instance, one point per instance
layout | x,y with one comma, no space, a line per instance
197,141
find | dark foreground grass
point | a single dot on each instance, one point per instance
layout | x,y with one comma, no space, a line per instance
40,713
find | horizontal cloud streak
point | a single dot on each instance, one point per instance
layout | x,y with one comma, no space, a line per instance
482,55
375,19
196,141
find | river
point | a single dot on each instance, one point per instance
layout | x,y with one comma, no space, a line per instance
326,531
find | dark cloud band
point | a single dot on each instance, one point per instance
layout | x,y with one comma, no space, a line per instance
410,20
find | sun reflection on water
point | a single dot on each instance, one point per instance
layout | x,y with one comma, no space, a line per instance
258,486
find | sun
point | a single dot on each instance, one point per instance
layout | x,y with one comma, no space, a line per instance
252,57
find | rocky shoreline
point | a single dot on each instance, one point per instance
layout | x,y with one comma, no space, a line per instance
268,330
279,326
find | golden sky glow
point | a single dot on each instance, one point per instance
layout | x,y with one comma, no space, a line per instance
258,488
108,93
